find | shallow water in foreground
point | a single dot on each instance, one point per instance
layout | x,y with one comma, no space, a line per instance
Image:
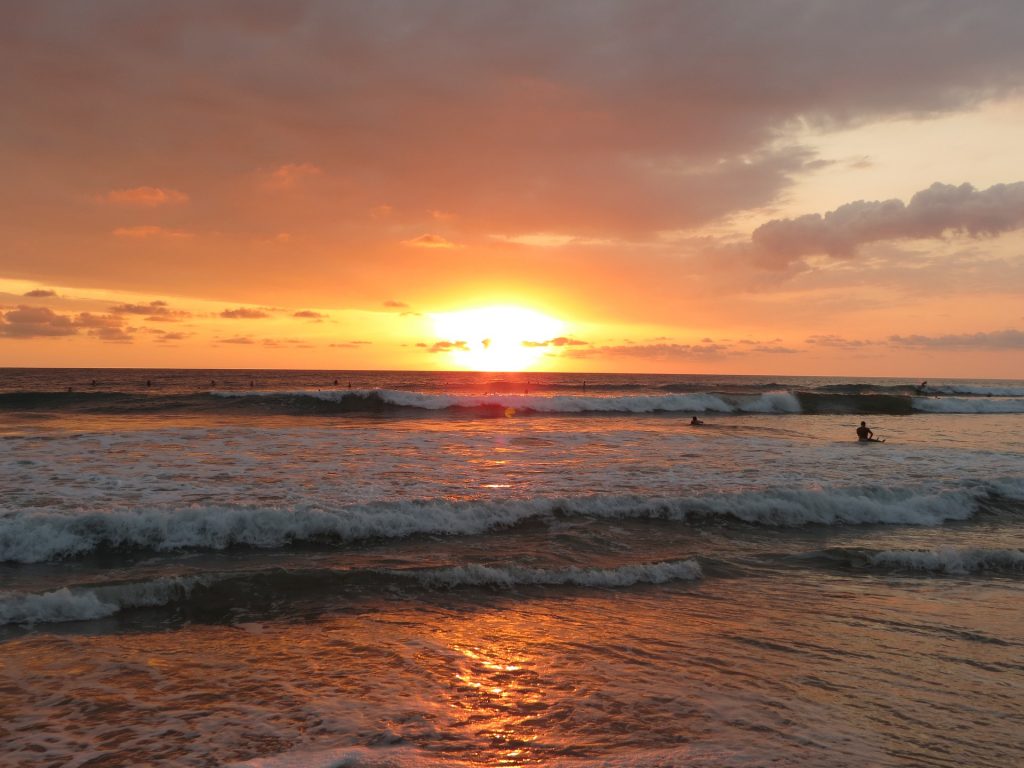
496,584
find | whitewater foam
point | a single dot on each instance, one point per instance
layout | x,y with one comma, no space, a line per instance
976,390
477,575
969,404
769,402
84,603
31,536
951,561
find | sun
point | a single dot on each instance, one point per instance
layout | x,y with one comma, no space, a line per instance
500,338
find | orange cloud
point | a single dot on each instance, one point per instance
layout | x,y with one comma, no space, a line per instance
429,241
155,310
290,174
244,313
31,322
447,346
148,230
25,322
147,197
561,341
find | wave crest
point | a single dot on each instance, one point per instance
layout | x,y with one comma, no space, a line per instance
81,604
38,536
476,575
951,561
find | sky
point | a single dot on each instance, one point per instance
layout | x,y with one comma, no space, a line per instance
798,187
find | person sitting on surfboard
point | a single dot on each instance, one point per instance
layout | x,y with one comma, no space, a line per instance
864,434
695,421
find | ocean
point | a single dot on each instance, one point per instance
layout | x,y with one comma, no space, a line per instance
354,568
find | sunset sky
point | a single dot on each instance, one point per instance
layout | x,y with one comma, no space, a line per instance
764,186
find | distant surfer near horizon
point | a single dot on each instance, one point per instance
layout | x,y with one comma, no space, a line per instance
695,422
865,435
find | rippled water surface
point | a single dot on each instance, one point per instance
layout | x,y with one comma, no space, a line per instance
521,578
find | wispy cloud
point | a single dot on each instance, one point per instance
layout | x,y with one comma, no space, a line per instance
651,351
289,175
244,313
148,230
156,310
146,197
429,241
1008,339
447,346
561,341
551,240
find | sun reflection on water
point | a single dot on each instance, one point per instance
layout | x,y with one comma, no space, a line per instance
497,694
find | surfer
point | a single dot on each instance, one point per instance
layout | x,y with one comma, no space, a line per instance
695,422
865,435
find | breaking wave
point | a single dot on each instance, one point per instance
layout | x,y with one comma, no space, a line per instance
681,399
30,536
951,561
511,576
81,604
216,592
969,404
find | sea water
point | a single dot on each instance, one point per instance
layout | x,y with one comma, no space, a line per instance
302,568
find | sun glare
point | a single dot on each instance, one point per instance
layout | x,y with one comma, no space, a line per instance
496,338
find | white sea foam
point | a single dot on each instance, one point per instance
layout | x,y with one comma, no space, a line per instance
96,602
790,508
83,603
350,757
29,536
510,576
976,389
951,561
969,404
